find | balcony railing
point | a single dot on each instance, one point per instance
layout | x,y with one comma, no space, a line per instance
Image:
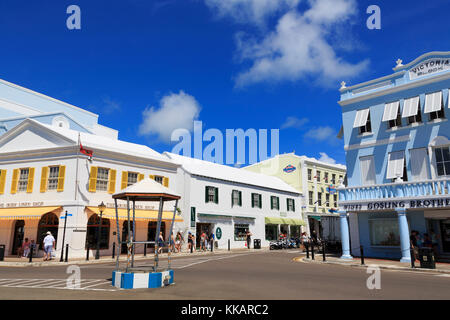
439,187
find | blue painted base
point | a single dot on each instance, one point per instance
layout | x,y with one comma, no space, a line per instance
141,280
346,257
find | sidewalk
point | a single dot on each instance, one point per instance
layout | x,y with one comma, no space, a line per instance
381,263
38,262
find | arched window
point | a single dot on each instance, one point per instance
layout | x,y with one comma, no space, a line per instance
92,232
48,222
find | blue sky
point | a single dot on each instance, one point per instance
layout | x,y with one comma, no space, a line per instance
263,64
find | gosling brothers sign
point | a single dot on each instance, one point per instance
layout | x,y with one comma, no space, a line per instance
392,205
428,67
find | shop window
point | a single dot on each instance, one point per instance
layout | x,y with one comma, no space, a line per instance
271,232
53,176
442,161
23,179
295,231
48,222
240,232
102,179
92,232
384,232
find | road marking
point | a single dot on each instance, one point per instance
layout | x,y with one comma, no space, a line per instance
443,275
207,260
85,284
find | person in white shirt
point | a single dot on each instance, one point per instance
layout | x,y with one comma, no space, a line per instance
49,242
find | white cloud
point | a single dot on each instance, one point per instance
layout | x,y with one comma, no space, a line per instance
294,122
325,158
300,46
175,111
254,11
321,133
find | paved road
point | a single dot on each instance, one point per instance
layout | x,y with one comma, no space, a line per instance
263,275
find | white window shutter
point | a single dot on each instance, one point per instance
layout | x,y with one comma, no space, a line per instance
391,111
419,164
361,118
410,107
367,165
395,165
433,102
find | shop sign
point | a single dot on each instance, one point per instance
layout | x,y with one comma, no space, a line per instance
290,168
192,216
21,204
428,67
218,233
402,204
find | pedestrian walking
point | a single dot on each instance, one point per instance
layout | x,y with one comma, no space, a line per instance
172,243
202,241
26,248
178,241
160,242
190,242
248,238
211,240
304,240
413,243
49,243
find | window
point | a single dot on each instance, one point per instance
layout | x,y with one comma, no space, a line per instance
327,200
309,174
396,166
53,178
48,222
367,166
367,127
335,200
159,179
397,122
311,197
102,179
240,232
434,105
325,178
392,114
333,178
23,179
290,205
271,232
274,203
442,161
212,194
256,200
437,115
319,198
419,164
318,176
362,121
236,198
92,232
416,118
384,232
132,178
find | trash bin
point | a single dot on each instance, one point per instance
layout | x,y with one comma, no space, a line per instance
257,244
426,258
2,252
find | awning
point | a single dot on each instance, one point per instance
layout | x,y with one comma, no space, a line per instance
410,107
273,220
361,118
25,213
433,102
395,165
315,217
391,111
110,213
212,215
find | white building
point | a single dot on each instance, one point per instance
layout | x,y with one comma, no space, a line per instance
229,201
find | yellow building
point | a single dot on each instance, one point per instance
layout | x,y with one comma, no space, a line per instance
315,179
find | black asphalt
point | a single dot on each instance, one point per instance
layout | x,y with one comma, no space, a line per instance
256,275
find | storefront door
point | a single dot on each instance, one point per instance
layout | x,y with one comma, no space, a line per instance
202,227
125,235
445,233
19,228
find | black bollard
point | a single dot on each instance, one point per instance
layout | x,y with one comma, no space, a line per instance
192,247
323,251
114,250
413,258
312,251
31,253
307,250
87,253
212,246
67,253
145,249
361,248
228,244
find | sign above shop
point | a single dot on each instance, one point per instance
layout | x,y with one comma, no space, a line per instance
400,204
218,233
290,168
428,67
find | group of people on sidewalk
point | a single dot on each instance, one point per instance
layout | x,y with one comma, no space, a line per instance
426,241
29,246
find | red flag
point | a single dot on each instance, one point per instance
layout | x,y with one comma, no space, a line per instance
87,152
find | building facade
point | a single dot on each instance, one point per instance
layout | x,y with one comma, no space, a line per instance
229,202
317,181
396,134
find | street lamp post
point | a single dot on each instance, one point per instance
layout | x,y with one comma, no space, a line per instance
101,208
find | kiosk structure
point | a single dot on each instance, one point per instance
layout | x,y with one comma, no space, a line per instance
131,277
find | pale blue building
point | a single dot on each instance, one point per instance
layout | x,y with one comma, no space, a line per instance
397,137
18,103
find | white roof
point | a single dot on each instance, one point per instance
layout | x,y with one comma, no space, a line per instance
227,173
147,186
90,141
305,158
